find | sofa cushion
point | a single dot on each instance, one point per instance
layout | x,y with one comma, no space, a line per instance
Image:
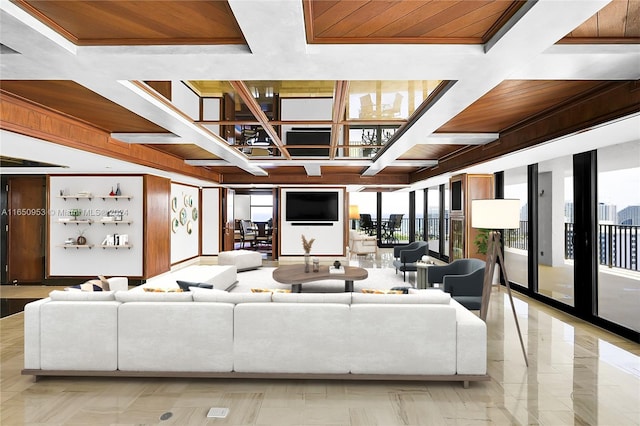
144,296
205,295
425,299
343,298
82,296
434,295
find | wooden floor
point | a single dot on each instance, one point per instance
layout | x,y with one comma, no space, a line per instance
577,375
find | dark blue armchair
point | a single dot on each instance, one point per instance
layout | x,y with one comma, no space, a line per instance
407,256
463,279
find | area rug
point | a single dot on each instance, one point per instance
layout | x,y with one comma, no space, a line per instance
379,278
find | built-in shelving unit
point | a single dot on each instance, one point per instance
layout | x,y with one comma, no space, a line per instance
83,201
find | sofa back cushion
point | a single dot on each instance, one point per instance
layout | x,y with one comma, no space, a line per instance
431,297
343,298
148,296
205,295
82,296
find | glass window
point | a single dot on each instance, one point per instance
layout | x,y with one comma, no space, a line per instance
395,218
366,202
618,234
516,241
447,220
433,219
555,229
261,208
419,225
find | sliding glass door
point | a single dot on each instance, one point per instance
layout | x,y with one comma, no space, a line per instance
555,230
516,241
618,234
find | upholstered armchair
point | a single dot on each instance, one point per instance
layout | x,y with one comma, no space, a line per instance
407,257
463,279
361,244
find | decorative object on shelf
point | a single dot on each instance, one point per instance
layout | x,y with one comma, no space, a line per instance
337,264
174,204
112,193
75,213
115,214
306,246
189,229
70,241
183,216
118,192
81,240
174,225
316,264
495,215
194,214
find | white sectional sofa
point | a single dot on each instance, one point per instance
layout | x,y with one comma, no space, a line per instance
212,333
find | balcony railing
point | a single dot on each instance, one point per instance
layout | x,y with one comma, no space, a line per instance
618,245
617,248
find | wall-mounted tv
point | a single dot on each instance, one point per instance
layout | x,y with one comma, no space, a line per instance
312,206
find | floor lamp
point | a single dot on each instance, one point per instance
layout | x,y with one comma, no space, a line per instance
495,215
354,214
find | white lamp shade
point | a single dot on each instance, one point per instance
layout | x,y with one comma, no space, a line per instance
495,214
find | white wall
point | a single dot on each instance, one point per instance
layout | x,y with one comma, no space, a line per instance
304,110
211,225
329,240
185,224
89,262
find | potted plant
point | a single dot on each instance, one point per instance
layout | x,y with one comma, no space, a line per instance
75,213
481,241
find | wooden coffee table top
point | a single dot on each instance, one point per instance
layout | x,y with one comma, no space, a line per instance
294,274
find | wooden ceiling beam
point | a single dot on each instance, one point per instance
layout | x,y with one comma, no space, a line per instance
254,107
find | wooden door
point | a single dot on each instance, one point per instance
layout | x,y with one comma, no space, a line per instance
228,219
27,212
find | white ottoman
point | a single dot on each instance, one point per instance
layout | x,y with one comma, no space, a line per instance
242,259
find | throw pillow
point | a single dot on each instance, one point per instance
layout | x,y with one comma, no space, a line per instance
379,291
162,290
184,285
270,290
104,282
91,285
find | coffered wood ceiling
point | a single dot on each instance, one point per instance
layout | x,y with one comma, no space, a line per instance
500,65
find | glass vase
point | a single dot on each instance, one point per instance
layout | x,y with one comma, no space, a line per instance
306,262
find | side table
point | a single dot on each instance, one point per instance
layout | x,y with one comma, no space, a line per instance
421,274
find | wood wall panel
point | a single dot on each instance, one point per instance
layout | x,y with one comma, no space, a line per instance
157,220
23,117
617,22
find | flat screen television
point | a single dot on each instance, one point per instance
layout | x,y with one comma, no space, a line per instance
312,206
320,138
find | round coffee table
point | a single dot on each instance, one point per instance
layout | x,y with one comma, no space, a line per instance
296,276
